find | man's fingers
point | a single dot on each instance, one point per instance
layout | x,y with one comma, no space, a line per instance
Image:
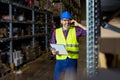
54,52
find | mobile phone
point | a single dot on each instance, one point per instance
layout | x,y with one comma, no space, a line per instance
72,23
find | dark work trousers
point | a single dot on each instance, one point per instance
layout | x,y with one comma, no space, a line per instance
65,69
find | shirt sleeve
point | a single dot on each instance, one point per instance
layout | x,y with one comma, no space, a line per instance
80,32
53,38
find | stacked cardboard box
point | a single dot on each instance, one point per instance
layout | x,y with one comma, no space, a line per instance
3,32
45,4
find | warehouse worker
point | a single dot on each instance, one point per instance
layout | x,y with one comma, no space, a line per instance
67,35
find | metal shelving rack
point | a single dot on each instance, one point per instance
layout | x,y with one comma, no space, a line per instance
11,39
73,6
93,34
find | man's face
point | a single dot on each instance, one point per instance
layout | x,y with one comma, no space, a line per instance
65,22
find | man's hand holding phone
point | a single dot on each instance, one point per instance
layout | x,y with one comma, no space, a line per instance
75,23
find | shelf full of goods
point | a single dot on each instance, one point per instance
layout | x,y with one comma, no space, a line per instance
22,32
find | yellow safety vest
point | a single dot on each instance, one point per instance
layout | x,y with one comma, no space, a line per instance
71,43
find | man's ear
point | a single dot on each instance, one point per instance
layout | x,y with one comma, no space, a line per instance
61,21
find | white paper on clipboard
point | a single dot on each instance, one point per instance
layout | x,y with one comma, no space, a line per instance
60,48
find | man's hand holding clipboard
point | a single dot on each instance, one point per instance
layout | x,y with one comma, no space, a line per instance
58,49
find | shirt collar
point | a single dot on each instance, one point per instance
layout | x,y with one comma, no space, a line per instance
65,29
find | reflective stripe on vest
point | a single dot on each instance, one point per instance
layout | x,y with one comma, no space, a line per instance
72,47
70,43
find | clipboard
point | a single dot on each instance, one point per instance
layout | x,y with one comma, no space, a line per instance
60,48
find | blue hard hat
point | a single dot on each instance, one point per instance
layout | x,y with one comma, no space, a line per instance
66,14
